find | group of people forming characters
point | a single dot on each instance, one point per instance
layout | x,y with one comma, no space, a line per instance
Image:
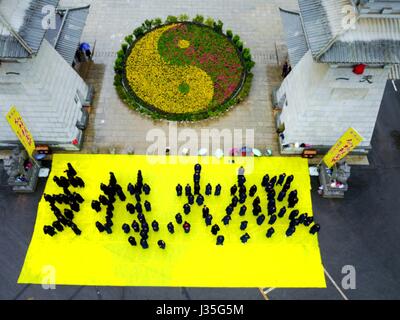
72,199
238,193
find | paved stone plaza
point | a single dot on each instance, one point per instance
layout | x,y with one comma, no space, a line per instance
113,125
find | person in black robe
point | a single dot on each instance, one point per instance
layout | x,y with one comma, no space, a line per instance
208,189
244,238
308,221
270,232
229,209
234,189
271,208
96,205
170,228
137,197
109,221
186,227
293,214
281,179
79,182
135,226
256,210
242,210
70,171
281,195
253,190
188,190
293,202
126,228
58,226
256,201
99,226
220,240
62,219
290,231
265,180
290,179
147,206
75,206
191,199
144,244
55,210
196,188
197,167
132,241
113,180
242,189
243,225
131,189
50,199
186,208
138,189
78,197
260,219
161,244
107,228
242,198
155,226
138,208
315,228
271,195
146,189
226,219
200,200
178,190
208,220
215,229
130,208
235,201
144,234
282,212
302,218
272,219
178,218
217,190
272,181
76,230
103,200
241,181
205,211
49,230
121,195
68,214
196,178
141,217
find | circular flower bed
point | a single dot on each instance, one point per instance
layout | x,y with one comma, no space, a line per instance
182,70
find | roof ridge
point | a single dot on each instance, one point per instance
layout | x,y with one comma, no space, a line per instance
15,34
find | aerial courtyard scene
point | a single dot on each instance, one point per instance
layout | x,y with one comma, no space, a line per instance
199,150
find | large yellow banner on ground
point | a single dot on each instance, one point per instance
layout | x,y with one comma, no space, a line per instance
343,147
190,259
18,126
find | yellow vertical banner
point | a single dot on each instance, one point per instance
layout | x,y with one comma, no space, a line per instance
350,139
18,126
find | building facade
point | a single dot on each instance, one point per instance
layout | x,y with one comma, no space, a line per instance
322,96
36,73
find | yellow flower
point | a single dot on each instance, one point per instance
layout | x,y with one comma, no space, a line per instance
157,83
183,44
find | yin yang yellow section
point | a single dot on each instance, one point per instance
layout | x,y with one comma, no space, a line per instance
157,83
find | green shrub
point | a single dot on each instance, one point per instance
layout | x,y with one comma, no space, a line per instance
124,47
157,22
229,34
129,39
147,25
121,54
183,17
218,26
236,38
198,19
209,22
249,65
239,45
138,32
171,19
